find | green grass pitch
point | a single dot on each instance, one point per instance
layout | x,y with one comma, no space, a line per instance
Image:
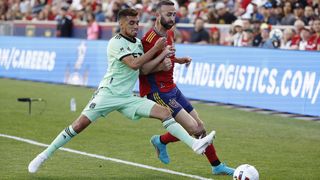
280,148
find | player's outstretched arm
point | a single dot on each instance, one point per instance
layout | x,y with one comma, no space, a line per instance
136,63
183,60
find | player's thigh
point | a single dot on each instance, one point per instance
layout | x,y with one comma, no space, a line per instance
167,100
187,121
160,112
101,104
183,101
135,107
178,112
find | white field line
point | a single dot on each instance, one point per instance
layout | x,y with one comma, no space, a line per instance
107,158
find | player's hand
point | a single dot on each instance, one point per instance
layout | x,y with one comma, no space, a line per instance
166,64
161,43
168,51
184,60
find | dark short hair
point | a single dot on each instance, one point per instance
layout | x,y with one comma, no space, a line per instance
127,12
164,3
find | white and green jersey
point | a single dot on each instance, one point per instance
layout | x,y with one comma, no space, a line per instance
120,78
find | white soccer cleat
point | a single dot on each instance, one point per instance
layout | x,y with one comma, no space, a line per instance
200,145
36,163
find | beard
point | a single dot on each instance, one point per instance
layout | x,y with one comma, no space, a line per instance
167,25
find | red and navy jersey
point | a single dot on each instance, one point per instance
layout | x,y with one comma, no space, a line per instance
161,81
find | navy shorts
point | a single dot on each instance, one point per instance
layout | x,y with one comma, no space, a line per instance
174,100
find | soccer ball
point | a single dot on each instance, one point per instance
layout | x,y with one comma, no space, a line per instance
245,172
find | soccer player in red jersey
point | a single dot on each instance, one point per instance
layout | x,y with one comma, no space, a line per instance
157,84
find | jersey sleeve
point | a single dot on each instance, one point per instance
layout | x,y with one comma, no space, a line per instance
119,48
146,45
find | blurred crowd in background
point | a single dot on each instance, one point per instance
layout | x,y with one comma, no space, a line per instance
289,24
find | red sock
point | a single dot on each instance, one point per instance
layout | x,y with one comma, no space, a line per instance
212,156
167,138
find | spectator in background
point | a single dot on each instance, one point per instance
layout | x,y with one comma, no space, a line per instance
256,16
223,15
246,23
298,26
231,5
9,16
247,39
314,41
199,8
183,15
143,17
286,42
263,36
115,8
79,16
268,16
53,13
255,25
288,18
28,16
244,9
199,35
298,11
93,27
25,5
308,15
316,8
38,6
237,33
277,10
99,14
305,35
214,36
3,10
46,12
64,25
40,17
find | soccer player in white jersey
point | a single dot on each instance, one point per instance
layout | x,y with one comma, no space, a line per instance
125,57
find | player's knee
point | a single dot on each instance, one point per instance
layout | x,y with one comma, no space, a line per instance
160,112
200,133
197,130
80,124
193,130
166,113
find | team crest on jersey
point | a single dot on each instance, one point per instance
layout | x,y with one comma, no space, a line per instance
92,105
140,47
173,103
128,49
122,49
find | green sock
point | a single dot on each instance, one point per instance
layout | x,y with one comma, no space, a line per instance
60,140
178,131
